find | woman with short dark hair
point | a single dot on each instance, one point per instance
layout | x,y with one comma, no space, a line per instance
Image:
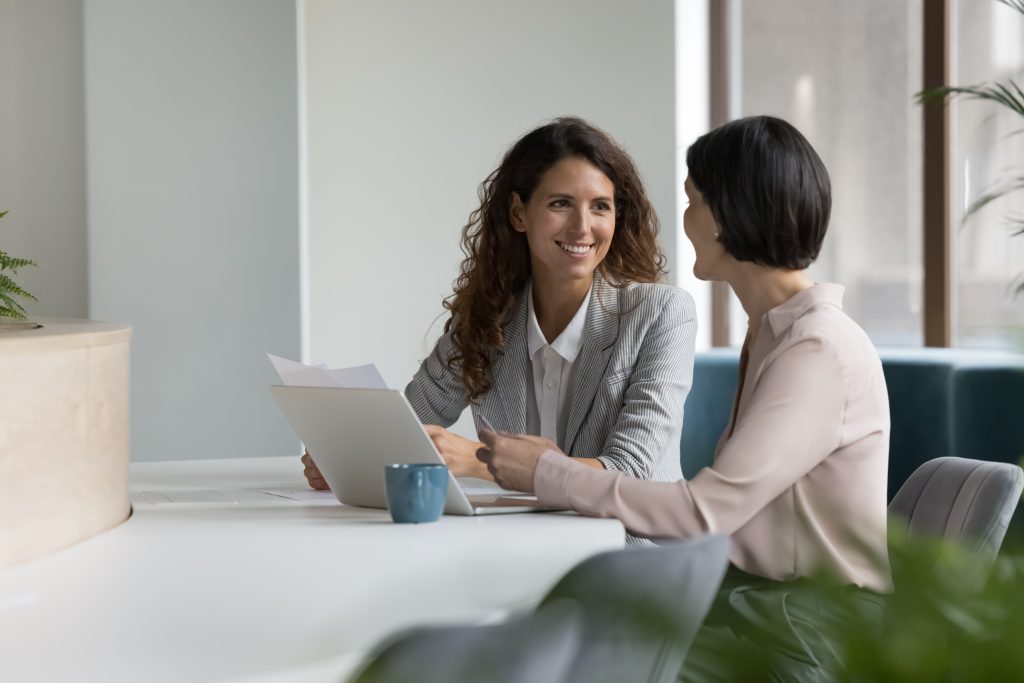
799,476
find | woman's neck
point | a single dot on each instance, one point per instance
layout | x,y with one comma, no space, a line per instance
556,302
761,289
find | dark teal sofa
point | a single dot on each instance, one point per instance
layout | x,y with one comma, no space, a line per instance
942,402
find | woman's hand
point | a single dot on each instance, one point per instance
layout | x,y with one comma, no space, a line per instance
458,452
312,472
512,460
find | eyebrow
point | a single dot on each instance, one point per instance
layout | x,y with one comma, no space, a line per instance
563,195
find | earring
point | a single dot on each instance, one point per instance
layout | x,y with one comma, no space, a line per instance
717,235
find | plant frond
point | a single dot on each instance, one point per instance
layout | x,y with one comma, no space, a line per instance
1016,223
17,313
1007,94
10,307
11,263
992,194
13,288
1015,4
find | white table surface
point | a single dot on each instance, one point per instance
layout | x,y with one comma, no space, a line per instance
262,588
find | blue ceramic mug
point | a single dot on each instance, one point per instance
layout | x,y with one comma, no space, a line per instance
416,492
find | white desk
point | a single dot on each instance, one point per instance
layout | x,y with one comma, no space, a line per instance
266,588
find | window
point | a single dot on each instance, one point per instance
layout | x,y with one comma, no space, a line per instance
845,74
988,45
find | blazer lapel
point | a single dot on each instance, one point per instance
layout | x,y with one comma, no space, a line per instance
602,330
504,404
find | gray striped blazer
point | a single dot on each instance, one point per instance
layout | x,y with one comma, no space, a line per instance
634,370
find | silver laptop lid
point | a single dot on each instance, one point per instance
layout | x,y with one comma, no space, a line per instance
353,433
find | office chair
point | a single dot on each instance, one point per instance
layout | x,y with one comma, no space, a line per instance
537,648
970,501
641,608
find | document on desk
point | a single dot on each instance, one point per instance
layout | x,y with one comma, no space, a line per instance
296,374
302,495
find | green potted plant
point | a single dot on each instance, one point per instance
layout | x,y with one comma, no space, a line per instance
12,311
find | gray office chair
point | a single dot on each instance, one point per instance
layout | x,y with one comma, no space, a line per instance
970,501
537,648
642,608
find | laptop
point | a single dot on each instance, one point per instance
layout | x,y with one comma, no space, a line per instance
353,433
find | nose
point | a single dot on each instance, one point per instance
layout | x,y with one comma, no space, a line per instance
580,224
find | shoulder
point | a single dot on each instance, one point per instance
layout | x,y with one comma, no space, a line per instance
830,329
656,300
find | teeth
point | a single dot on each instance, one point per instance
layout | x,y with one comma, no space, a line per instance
575,249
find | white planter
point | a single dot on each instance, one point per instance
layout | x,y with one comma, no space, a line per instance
64,435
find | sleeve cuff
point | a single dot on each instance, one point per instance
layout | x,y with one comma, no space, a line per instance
551,478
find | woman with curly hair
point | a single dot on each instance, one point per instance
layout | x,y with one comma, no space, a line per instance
558,325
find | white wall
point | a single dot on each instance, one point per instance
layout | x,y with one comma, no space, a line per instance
193,214
42,151
410,105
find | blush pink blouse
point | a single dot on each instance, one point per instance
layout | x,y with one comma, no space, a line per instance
799,475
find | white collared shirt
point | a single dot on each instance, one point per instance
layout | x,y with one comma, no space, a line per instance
553,373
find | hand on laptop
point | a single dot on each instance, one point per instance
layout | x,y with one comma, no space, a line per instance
512,459
312,472
459,453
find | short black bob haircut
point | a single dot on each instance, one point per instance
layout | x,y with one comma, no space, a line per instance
767,189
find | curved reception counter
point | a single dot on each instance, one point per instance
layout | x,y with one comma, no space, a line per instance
64,435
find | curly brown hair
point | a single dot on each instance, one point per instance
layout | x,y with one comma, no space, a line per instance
497,266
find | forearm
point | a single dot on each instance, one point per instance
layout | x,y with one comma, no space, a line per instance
646,508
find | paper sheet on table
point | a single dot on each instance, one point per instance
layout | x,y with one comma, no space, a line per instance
306,495
295,374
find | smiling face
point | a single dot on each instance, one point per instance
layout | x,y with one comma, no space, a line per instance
701,228
569,221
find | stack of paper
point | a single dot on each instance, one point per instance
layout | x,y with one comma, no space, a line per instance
295,374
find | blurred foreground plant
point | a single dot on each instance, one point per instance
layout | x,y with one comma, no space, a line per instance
952,617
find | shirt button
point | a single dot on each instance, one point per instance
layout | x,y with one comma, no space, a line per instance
551,384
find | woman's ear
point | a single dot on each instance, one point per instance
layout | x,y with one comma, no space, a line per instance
517,212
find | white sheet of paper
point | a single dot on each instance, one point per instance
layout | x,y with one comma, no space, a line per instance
177,497
295,374
305,495
359,377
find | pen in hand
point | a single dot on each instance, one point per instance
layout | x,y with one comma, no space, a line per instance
487,425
